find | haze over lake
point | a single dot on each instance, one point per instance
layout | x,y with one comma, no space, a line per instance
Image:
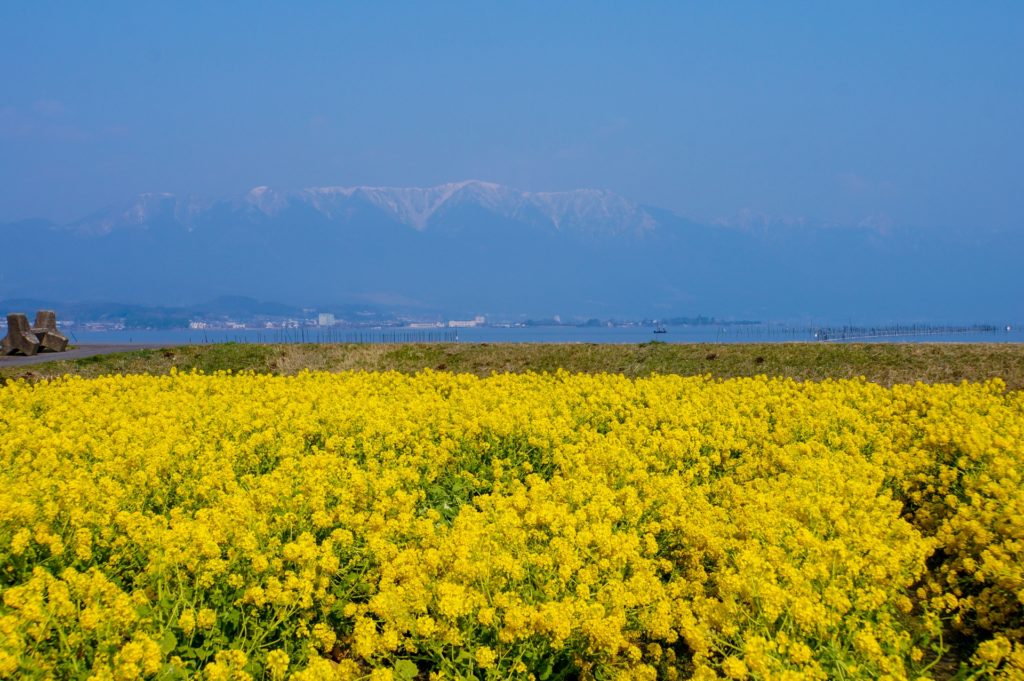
542,334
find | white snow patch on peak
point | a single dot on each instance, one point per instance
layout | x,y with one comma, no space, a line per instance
146,207
329,191
596,210
415,206
477,184
266,200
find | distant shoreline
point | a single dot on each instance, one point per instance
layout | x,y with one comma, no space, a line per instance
557,334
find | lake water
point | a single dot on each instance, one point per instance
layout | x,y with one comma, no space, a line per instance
536,334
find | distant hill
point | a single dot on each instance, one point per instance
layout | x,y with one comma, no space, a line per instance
136,315
477,247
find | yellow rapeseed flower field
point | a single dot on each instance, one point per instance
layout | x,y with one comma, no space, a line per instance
441,526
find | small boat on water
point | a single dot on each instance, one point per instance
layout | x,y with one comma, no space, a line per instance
660,328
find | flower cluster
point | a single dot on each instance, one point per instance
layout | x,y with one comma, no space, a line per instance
386,526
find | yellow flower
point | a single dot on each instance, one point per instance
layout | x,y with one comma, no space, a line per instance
206,618
187,621
8,665
324,636
734,668
425,626
613,520
485,657
277,664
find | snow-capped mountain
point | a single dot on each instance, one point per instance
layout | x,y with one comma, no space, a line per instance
478,247
586,210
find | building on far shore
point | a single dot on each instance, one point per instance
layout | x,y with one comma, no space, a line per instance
325,319
466,323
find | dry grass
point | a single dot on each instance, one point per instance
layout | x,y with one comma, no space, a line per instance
882,363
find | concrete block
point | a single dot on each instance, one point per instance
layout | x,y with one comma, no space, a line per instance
49,337
19,336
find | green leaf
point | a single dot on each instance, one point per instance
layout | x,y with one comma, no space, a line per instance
406,670
168,642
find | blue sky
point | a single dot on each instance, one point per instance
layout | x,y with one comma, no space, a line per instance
909,113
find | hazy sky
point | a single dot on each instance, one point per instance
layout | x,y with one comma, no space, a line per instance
909,112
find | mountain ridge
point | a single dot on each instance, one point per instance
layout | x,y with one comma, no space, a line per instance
414,207
476,247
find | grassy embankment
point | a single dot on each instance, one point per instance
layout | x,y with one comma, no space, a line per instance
882,363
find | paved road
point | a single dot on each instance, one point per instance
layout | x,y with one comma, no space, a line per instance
78,352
